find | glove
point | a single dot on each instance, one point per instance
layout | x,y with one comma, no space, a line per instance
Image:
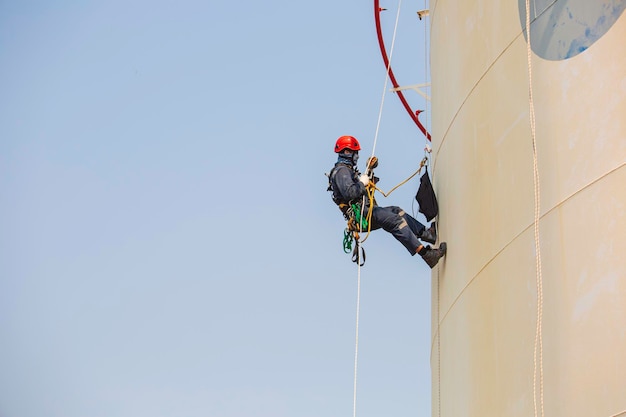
364,179
372,162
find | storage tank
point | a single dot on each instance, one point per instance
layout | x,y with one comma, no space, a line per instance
529,305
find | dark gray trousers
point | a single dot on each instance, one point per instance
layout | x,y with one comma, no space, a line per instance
400,224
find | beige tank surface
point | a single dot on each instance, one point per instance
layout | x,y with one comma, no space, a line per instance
498,349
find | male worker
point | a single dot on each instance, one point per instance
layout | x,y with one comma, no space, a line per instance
348,186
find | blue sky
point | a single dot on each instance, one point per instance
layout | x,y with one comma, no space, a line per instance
168,246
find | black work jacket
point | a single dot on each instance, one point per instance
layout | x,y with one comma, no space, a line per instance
345,185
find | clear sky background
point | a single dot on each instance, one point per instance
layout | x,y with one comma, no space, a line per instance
167,244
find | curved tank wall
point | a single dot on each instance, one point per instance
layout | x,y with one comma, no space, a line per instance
485,304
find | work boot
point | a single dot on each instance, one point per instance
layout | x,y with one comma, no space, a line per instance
429,235
431,256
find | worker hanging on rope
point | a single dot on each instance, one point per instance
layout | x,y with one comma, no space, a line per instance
350,192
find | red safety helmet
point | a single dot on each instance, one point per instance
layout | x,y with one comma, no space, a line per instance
347,142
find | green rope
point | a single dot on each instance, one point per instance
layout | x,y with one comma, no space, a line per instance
347,241
355,218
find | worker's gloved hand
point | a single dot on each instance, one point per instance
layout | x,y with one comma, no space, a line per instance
372,162
364,179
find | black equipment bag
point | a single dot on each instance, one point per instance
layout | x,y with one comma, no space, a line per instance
426,198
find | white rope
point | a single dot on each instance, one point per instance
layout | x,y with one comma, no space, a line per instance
427,125
427,75
382,101
356,349
438,344
358,298
538,350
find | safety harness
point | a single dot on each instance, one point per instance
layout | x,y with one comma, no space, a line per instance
352,212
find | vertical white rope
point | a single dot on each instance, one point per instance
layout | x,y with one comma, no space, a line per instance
438,345
356,349
427,73
358,298
427,125
382,101
538,350
428,129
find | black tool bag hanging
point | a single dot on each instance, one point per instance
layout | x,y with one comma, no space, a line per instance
426,198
